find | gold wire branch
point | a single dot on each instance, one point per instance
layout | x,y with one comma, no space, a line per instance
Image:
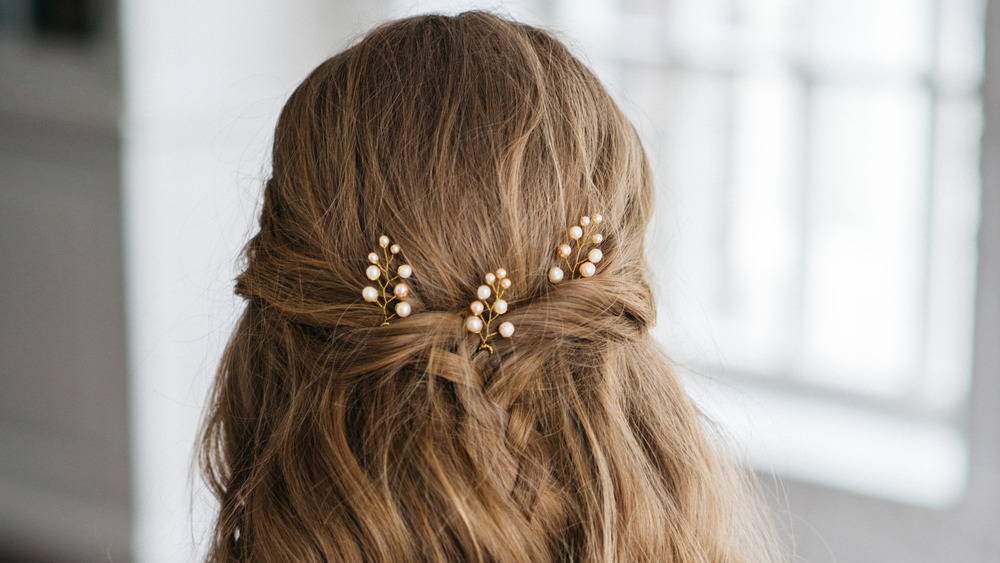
380,272
496,284
582,236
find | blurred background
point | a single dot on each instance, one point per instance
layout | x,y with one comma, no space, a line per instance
826,248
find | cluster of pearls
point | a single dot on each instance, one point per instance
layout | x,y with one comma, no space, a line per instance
496,284
386,293
582,265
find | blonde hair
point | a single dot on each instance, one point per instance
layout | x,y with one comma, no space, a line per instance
474,142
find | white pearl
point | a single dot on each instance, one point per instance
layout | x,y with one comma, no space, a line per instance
597,238
587,269
564,250
505,283
575,232
401,290
394,249
477,307
598,217
474,324
373,272
383,241
373,258
584,220
490,277
484,292
595,255
500,306
501,273
370,294
403,309
405,271
556,274
506,330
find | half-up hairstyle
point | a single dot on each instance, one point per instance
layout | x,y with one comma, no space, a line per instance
474,142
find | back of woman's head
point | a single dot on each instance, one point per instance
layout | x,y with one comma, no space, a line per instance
474,143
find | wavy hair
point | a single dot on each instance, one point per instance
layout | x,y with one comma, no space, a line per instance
474,142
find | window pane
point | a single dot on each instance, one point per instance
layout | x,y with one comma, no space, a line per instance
952,252
764,236
960,44
696,160
889,33
865,237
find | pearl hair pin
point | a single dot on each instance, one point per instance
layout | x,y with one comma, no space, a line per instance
496,284
582,265
581,256
387,292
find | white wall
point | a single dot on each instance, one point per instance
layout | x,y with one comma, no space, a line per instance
203,83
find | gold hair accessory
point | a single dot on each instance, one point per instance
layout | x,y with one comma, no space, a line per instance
379,269
496,283
583,265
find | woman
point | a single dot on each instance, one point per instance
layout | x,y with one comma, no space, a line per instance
352,420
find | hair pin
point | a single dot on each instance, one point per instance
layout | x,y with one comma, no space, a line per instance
387,292
496,284
582,265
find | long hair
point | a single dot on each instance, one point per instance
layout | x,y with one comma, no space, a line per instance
474,142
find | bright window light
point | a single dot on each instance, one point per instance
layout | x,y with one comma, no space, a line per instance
818,167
